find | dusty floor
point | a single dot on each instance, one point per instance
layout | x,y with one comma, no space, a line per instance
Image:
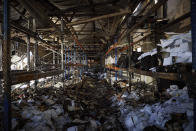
93,105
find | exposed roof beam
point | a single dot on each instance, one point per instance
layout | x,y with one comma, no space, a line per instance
80,7
82,29
36,10
139,23
103,28
79,14
32,34
115,24
99,18
33,8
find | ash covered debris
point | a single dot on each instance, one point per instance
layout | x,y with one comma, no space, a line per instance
93,104
81,106
160,114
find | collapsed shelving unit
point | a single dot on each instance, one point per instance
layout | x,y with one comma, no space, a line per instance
64,57
158,30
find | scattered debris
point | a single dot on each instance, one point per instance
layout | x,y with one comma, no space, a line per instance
158,114
92,104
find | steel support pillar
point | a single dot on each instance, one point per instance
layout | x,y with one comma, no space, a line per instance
65,62
28,49
193,21
129,40
128,53
6,67
35,58
128,62
53,57
80,61
57,55
53,61
71,56
68,59
1,42
28,53
83,67
62,50
62,60
1,32
81,57
62,56
86,62
74,53
35,51
116,72
110,75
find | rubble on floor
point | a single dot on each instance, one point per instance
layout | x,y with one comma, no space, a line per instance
159,114
93,104
82,106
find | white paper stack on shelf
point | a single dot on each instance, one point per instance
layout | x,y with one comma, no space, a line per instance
179,48
20,62
110,60
152,52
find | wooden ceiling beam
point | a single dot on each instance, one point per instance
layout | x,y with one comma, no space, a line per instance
124,12
103,27
24,30
82,6
115,24
139,23
81,30
79,14
36,10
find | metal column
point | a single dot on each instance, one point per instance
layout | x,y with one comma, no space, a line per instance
53,54
71,56
62,61
83,67
53,61
68,56
193,21
80,61
28,49
6,68
57,55
74,53
65,61
1,55
62,49
35,58
35,51
1,47
28,52
116,62
130,40
74,58
86,62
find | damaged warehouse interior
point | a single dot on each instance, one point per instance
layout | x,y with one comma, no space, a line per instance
97,65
